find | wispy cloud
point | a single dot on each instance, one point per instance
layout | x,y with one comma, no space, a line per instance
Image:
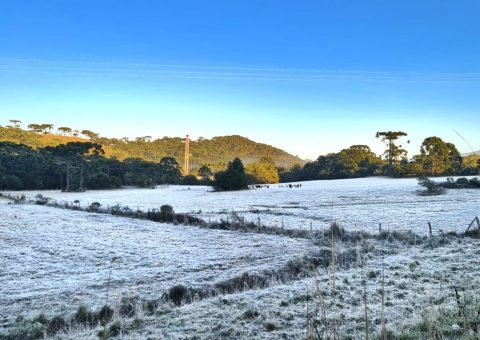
181,71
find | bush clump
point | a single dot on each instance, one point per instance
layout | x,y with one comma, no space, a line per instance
25,330
105,315
270,327
95,206
112,331
56,325
431,188
167,213
128,306
177,294
85,316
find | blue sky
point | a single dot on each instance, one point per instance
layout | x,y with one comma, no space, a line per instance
310,77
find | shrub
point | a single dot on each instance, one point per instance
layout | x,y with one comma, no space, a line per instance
41,319
40,200
105,315
27,329
115,328
95,206
413,265
112,331
56,325
336,230
450,183
127,306
251,313
150,306
167,213
85,316
270,327
462,182
177,294
137,323
475,182
432,188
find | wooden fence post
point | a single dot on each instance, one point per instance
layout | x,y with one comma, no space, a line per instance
474,220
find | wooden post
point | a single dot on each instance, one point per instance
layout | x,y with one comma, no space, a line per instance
474,220
430,228
311,226
379,228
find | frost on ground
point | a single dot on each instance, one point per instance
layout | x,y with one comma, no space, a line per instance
358,203
52,260
418,280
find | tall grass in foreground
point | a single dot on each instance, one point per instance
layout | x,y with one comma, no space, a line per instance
453,322
458,321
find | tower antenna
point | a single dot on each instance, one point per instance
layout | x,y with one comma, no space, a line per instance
186,162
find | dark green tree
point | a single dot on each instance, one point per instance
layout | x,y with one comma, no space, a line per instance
393,153
234,178
294,174
205,172
170,171
434,156
455,160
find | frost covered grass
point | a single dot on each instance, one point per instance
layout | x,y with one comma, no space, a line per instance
54,260
456,322
420,300
166,214
359,204
235,277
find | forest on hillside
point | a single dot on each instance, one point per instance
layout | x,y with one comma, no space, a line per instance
215,152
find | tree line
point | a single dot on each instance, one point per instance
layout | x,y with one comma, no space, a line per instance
76,166
436,158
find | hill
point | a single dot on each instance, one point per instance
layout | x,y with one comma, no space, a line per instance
216,152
